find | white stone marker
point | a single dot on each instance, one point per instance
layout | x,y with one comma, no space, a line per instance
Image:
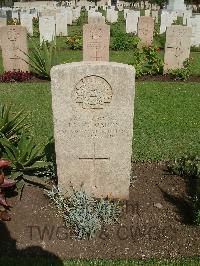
166,21
154,14
147,12
187,14
47,27
61,24
27,21
93,127
194,23
177,46
132,21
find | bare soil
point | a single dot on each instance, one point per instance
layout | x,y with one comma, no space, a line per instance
155,223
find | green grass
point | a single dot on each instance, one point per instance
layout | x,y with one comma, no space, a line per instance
166,122
50,262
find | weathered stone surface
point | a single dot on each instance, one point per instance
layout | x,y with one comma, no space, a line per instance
96,39
154,15
194,23
3,22
132,21
145,30
166,21
61,24
93,126
14,48
47,27
177,46
27,21
95,18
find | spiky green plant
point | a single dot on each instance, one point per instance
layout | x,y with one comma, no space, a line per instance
11,125
25,154
42,58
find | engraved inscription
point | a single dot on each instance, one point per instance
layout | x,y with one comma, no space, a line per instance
93,92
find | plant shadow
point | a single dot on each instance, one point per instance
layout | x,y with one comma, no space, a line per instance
32,255
183,205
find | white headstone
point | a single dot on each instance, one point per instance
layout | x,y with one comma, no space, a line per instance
27,21
61,24
132,21
47,27
93,127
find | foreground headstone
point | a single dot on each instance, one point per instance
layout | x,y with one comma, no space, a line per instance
145,30
93,127
14,48
96,39
177,46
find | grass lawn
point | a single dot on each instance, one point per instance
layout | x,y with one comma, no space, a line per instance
166,122
50,262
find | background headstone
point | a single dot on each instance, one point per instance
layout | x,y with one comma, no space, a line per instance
47,27
177,46
27,21
96,39
146,30
14,48
93,112
61,24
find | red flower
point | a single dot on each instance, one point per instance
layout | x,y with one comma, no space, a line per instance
158,49
4,163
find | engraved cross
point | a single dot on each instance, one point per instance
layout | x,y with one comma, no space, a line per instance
94,158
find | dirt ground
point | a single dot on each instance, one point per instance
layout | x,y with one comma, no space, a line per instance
155,223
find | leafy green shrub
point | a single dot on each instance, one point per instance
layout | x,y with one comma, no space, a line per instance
160,40
82,19
85,214
189,168
181,73
147,61
195,49
123,41
36,32
75,42
42,59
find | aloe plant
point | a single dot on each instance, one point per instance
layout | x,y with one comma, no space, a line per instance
43,58
25,154
11,125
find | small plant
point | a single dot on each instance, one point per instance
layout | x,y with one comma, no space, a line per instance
189,168
154,63
147,61
83,213
75,42
42,59
14,21
25,154
123,41
15,76
4,185
181,73
11,125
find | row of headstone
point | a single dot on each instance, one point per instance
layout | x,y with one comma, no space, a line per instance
96,38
